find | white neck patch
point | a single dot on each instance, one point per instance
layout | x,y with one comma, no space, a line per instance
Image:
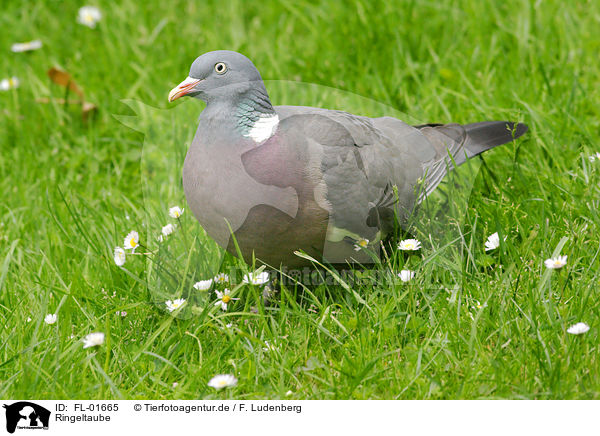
263,128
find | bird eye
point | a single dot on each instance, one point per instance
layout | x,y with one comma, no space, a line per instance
220,68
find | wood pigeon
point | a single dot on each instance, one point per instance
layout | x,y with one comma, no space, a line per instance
287,178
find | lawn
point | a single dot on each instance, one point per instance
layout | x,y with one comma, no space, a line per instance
470,324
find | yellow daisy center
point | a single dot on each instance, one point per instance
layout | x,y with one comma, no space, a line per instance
410,245
132,242
226,299
363,243
11,82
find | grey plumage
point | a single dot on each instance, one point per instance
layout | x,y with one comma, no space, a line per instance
289,178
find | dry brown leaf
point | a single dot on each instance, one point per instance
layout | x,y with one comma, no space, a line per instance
64,79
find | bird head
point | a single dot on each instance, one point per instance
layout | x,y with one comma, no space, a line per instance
218,75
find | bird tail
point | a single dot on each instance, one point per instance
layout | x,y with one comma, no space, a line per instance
489,134
463,142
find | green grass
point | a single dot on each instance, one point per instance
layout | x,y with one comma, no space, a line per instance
68,186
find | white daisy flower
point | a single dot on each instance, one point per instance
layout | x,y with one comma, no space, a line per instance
175,304
119,256
221,381
256,278
478,305
361,243
221,278
132,241
409,245
493,242
93,340
168,229
594,156
406,275
20,47
556,262
8,84
175,212
578,329
175,384
203,285
224,298
89,16
28,319
50,318
230,325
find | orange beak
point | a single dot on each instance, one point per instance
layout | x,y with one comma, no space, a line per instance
183,88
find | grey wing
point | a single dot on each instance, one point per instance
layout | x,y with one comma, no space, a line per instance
370,170
353,168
